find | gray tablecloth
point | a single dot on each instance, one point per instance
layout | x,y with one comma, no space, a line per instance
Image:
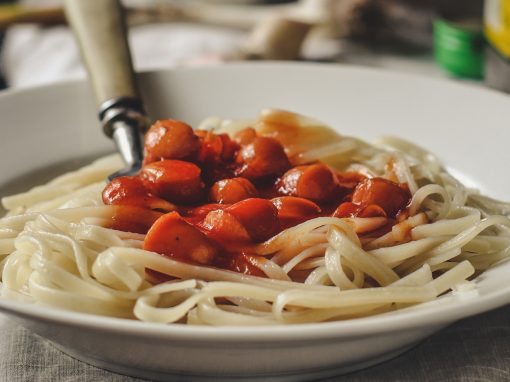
476,349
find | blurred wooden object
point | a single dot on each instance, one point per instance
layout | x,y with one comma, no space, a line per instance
234,16
277,38
278,31
19,14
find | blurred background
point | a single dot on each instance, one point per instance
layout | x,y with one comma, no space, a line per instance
464,40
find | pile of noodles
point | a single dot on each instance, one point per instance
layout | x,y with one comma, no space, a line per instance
56,251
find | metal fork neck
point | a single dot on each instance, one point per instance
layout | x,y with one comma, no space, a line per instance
125,121
127,109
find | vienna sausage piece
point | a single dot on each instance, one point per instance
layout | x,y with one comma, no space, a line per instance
131,191
349,179
173,237
174,180
216,148
258,216
133,219
293,210
262,158
315,182
241,263
349,209
200,212
385,193
346,210
372,211
232,190
230,147
245,136
171,139
216,156
225,227
148,158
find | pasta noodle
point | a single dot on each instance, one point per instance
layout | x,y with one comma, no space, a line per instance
56,248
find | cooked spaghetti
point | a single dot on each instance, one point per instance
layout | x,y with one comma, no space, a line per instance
280,221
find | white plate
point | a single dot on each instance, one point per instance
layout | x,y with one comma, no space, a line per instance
467,128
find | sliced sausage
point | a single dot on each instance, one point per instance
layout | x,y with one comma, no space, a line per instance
385,193
174,180
263,157
232,190
171,139
315,182
131,191
258,216
172,236
293,210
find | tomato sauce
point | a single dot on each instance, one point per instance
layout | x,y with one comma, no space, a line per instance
207,199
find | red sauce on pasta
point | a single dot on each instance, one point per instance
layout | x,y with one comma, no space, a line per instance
208,199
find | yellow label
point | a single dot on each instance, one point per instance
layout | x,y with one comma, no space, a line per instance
497,25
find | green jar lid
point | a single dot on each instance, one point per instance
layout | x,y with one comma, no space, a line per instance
458,47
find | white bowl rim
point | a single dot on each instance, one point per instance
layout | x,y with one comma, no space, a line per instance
405,319
467,86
